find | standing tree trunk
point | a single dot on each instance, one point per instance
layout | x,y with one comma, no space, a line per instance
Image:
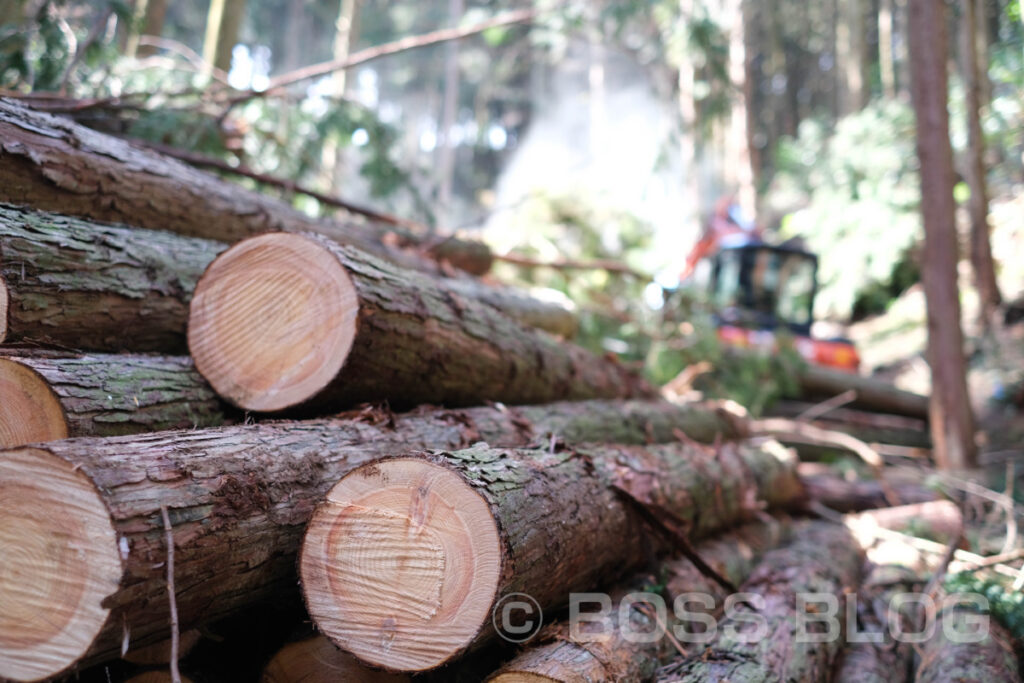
449,117
82,538
149,21
222,24
282,320
974,166
482,523
886,59
50,397
84,285
686,85
952,422
743,152
851,56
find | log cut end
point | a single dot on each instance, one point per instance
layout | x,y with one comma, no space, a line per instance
400,565
30,411
5,306
272,321
60,561
318,660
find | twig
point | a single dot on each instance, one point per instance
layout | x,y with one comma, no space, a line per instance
169,540
191,56
378,51
675,536
827,406
653,615
201,160
791,430
1003,500
598,264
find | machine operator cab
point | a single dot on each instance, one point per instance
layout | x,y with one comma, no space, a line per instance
757,289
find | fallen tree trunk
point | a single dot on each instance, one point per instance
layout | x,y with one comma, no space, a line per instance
876,656
826,486
966,645
82,536
83,285
872,394
606,647
49,396
771,642
282,320
52,163
478,524
869,427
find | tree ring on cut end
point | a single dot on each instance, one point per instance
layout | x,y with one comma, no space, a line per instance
30,411
59,560
272,321
400,566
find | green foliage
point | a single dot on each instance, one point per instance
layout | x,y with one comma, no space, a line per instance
860,189
1006,604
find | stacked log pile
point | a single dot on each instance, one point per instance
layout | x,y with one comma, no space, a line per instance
200,462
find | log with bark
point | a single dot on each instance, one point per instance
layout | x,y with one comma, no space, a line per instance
876,656
86,285
475,525
53,396
609,650
318,660
825,485
766,638
966,645
872,394
82,535
52,163
282,320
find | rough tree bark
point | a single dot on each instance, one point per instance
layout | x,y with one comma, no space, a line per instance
50,397
822,558
982,263
282,320
952,422
955,653
84,285
483,523
239,499
51,163
609,649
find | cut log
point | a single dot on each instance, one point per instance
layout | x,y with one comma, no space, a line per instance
867,426
472,526
318,660
770,643
547,309
826,486
50,396
282,320
82,536
876,656
54,164
872,394
961,650
609,651
85,285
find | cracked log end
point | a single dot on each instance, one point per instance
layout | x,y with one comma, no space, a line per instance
60,560
30,411
401,564
272,321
